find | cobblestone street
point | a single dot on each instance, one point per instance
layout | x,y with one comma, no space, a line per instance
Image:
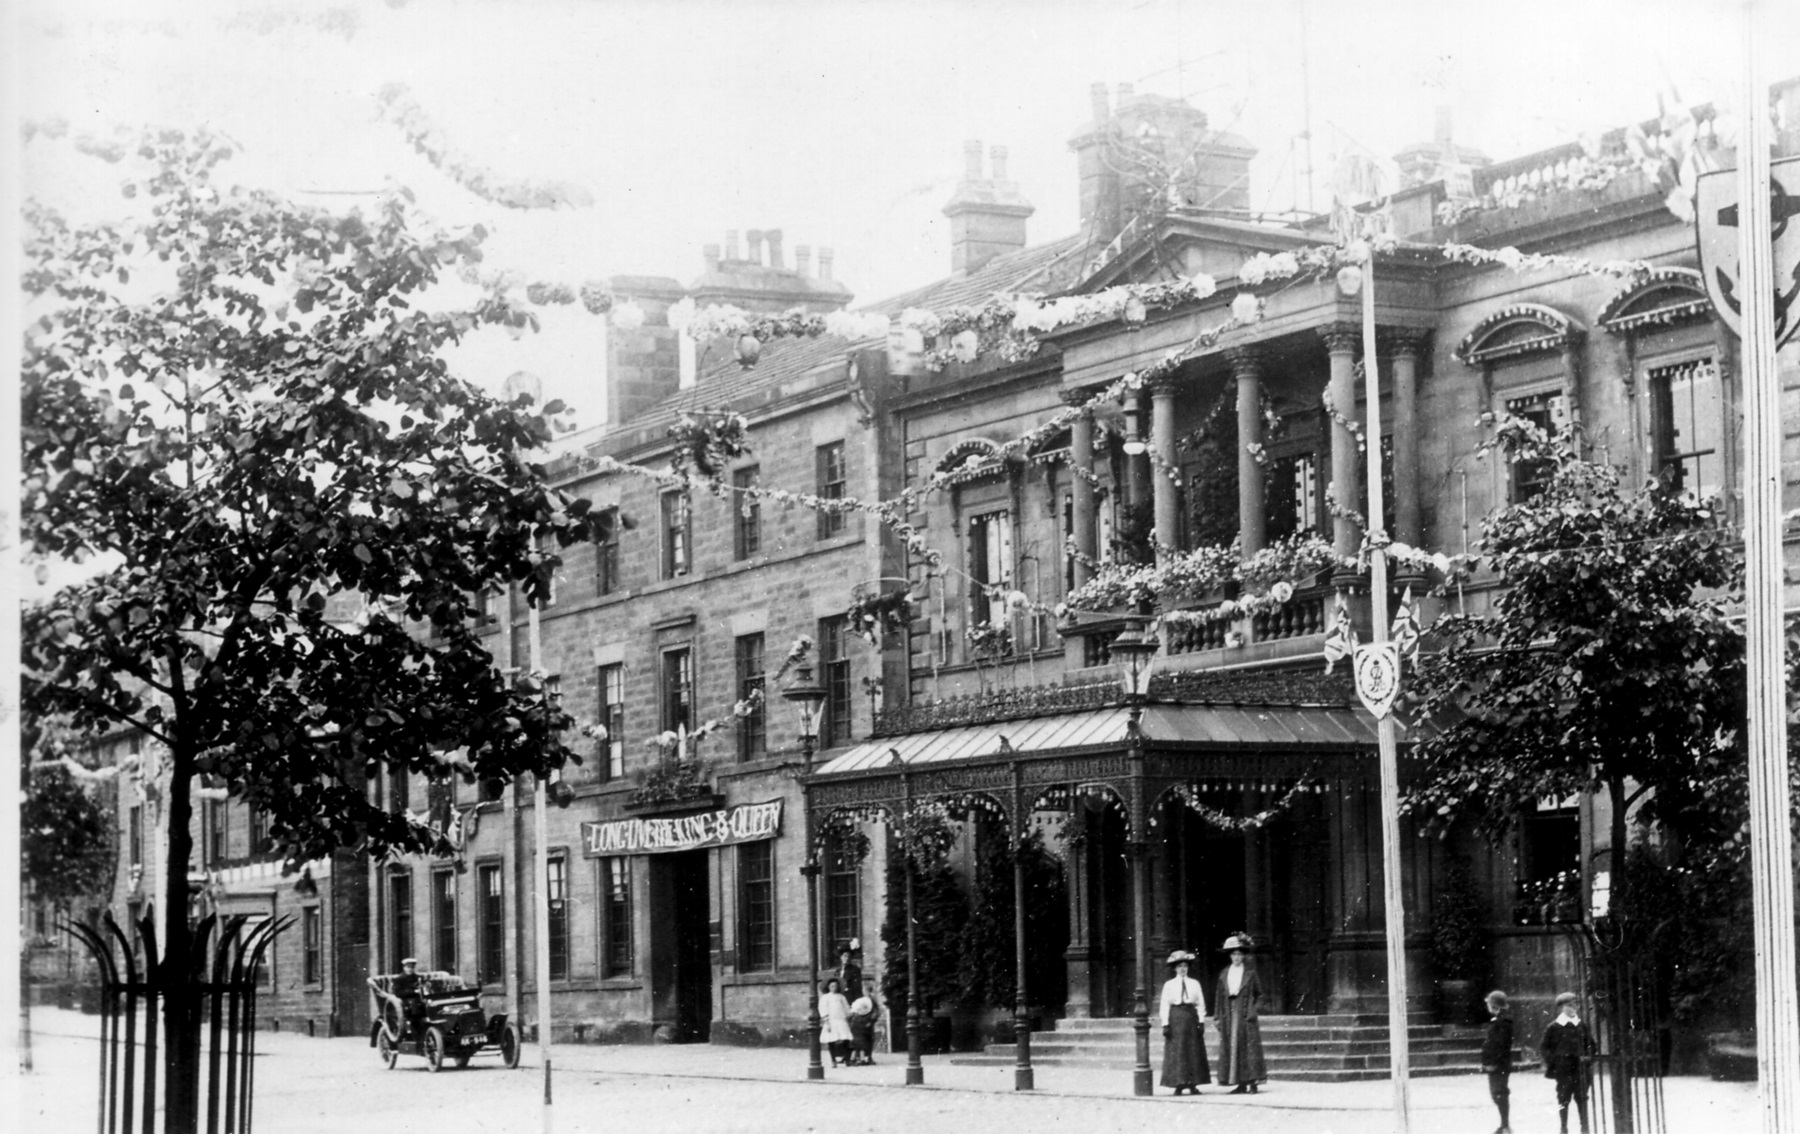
312,1085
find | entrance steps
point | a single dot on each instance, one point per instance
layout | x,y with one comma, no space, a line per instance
1329,1048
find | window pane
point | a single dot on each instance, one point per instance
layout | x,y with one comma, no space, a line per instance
832,480
615,887
678,690
1546,411
400,909
752,729
747,514
756,877
1689,427
990,563
556,892
675,521
443,920
834,663
843,900
606,553
493,926
612,716
310,940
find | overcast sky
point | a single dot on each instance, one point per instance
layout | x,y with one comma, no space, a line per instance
840,123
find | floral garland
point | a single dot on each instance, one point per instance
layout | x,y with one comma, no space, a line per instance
1189,794
874,616
709,444
1354,428
1199,572
395,103
1514,260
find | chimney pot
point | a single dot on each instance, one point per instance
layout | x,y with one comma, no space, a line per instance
773,236
825,257
997,162
972,160
710,254
731,244
753,245
803,259
1102,110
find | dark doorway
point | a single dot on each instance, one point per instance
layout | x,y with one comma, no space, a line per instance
681,965
1300,861
1109,913
1209,886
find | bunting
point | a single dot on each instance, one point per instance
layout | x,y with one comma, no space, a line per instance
1405,630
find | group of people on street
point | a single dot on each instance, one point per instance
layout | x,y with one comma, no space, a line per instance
847,1012
1234,1011
1565,1048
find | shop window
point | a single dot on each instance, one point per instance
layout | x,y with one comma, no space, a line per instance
556,891
833,481
746,515
756,906
612,717
615,895
443,920
834,675
753,740
606,553
677,520
990,566
491,966
1689,425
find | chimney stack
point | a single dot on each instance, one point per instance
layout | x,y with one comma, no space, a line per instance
753,245
987,214
803,259
773,236
1102,109
731,244
825,257
710,254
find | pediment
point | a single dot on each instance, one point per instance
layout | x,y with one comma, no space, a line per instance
1185,246
1664,297
1518,329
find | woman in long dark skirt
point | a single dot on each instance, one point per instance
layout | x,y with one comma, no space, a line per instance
1184,1048
1234,1004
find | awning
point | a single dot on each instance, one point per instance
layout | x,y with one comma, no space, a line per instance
1285,728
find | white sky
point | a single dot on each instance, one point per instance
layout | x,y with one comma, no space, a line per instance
840,123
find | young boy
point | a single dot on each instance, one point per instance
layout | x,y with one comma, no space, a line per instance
1565,1048
1497,1057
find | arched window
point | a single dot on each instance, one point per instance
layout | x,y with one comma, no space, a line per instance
1529,356
1664,319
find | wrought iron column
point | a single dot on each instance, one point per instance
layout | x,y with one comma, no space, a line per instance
815,1068
915,1071
1023,1077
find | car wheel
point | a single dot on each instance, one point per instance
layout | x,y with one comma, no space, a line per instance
434,1048
393,1019
509,1046
385,1049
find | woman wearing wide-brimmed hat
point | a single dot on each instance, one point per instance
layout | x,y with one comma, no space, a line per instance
1234,1007
1184,1047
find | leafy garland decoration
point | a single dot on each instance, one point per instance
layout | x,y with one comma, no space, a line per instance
1189,795
395,103
874,616
709,443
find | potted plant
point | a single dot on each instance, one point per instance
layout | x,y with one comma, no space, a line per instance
1459,943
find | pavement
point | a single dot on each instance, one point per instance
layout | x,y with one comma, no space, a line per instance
309,1085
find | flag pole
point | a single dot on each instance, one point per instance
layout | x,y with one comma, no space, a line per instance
1399,1054
1771,846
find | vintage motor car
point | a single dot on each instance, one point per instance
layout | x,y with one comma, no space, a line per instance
437,1015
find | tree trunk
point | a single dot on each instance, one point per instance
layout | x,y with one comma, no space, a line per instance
181,1024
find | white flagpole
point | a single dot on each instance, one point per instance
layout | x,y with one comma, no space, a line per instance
542,873
1399,1054
1771,849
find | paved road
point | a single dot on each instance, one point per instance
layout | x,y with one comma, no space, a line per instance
310,1085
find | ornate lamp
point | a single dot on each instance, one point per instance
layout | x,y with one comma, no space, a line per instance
1134,657
806,695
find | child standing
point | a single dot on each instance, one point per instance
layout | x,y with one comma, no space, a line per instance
1497,1057
1565,1048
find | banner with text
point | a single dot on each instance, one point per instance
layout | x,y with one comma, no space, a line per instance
746,823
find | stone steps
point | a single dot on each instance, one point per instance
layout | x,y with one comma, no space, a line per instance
1325,1048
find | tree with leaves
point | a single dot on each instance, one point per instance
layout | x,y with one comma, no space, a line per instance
1608,663
237,412
988,964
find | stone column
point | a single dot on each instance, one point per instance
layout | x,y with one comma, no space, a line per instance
1246,366
1081,484
1405,346
1164,491
1135,465
1080,954
1341,340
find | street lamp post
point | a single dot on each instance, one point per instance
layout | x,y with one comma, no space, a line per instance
1134,655
806,695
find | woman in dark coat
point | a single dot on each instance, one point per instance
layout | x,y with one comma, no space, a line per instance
1184,1048
1234,1007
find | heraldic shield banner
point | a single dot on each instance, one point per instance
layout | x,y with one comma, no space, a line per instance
1716,230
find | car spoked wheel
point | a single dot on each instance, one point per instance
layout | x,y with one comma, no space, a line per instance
386,1050
434,1048
509,1046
